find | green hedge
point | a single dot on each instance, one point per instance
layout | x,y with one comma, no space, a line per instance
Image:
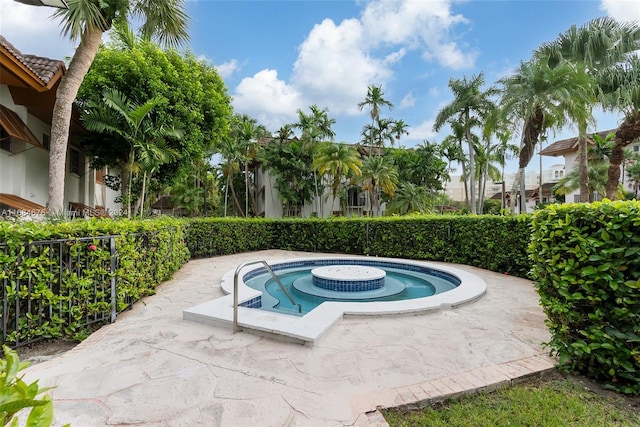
497,243
207,237
587,271
61,287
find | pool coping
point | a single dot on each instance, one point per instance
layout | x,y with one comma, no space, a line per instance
310,327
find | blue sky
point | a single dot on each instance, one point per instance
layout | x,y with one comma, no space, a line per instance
280,56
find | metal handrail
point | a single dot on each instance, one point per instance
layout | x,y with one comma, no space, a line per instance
235,289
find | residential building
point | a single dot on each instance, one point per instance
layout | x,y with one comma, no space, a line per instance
28,85
568,149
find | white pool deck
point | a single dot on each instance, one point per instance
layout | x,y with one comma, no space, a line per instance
153,368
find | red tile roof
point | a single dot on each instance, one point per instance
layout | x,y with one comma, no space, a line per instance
44,68
569,145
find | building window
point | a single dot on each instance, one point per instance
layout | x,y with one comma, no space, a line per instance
636,148
100,174
75,161
46,141
5,140
355,197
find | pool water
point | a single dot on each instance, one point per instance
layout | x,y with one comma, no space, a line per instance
400,284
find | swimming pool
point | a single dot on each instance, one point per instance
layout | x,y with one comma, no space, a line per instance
307,328
364,280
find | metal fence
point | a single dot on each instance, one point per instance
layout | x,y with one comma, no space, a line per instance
52,284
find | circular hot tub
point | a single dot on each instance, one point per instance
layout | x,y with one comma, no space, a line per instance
348,278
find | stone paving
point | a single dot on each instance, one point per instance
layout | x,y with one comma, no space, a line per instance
152,368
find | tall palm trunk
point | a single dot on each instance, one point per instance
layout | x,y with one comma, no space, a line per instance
144,190
582,162
61,120
627,132
472,170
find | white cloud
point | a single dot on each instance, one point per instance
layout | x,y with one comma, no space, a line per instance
421,132
434,92
226,69
32,30
334,68
423,25
622,10
336,62
408,101
266,98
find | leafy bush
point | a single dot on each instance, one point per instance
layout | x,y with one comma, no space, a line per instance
56,278
586,259
208,237
16,395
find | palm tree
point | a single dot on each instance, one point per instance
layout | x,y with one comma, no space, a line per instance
468,107
453,152
543,98
378,174
399,128
599,44
408,198
86,20
247,132
374,100
315,128
230,150
151,155
621,92
336,161
118,115
490,151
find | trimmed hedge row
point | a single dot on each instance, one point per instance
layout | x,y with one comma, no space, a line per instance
56,278
495,243
587,271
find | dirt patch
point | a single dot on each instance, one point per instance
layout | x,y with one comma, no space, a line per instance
44,350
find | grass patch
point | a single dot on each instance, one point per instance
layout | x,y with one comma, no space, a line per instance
554,402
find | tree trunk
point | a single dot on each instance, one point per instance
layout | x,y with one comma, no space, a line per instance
514,189
235,199
523,192
61,120
582,163
627,132
472,172
613,174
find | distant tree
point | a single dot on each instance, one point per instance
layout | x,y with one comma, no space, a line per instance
146,136
378,174
408,198
601,45
470,104
197,99
374,101
290,161
337,161
540,98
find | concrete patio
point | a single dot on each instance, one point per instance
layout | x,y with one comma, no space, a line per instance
152,368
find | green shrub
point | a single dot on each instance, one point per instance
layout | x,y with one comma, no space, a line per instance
59,288
497,243
16,395
208,237
586,269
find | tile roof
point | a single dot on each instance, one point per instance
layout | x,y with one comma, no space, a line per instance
44,68
570,144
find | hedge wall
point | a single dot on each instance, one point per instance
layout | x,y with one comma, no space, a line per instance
587,271
496,243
